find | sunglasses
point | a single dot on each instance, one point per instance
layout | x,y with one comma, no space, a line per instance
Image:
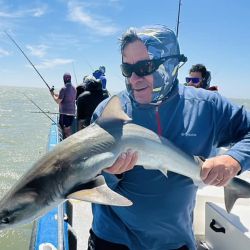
194,80
145,67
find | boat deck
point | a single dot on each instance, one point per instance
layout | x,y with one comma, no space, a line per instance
82,219
81,222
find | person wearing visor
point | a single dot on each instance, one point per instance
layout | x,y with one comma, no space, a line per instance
161,216
200,77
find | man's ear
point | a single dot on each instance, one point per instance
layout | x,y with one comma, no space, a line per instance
206,80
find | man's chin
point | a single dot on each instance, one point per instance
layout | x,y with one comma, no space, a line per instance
143,100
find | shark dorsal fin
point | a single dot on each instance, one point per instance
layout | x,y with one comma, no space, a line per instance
113,111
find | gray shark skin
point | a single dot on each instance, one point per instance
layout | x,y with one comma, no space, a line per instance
72,168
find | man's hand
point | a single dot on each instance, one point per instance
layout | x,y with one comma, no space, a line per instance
52,89
126,161
219,170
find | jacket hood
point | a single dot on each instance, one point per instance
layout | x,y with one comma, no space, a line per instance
161,42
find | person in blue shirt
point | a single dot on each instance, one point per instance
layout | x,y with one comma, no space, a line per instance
195,120
100,74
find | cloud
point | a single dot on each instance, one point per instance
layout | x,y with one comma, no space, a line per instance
3,52
39,50
8,15
11,14
49,64
35,12
99,24
61,40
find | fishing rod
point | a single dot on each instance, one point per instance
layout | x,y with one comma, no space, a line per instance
44,112
184,58
9,36
49,112
74,72
92,69
178,19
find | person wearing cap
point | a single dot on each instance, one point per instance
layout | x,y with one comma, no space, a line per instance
200,77
100,74
88,100
67,107
161,216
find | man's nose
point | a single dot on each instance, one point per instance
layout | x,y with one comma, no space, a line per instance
134,78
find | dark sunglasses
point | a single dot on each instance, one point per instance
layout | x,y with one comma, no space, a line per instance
194,80
145,67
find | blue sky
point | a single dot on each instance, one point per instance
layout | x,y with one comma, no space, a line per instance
78,36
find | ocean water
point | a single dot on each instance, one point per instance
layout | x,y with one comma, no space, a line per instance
23,139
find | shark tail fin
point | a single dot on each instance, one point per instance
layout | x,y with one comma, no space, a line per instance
236,188
98,192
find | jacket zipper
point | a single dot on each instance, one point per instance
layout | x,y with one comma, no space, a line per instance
158,120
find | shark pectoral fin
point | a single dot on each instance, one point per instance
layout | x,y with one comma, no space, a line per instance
164,172
101,194
236,188
157,166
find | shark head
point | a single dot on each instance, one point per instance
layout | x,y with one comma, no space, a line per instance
16,208
45,186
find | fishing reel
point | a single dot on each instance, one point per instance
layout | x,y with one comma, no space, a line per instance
52,89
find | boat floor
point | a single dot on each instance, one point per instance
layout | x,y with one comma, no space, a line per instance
81,223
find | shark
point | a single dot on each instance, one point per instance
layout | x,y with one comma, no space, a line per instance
73,168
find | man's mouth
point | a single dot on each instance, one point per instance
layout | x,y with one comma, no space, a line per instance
140,89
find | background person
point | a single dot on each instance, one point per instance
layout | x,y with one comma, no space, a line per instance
200,77
81,87
161,216
88,101
67,108
100,74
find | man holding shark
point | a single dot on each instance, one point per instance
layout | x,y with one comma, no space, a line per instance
162,212
150,206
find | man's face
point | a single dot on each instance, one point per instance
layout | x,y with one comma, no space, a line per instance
196,75
142,86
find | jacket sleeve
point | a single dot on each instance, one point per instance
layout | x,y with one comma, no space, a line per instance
233,129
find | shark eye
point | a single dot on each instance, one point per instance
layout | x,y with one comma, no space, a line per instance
5,220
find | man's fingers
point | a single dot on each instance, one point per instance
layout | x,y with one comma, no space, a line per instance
204,173
119,162
210,179
219,170
205,170
124,162
133,160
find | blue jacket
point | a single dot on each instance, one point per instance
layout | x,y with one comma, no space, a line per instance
161,216
98,74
